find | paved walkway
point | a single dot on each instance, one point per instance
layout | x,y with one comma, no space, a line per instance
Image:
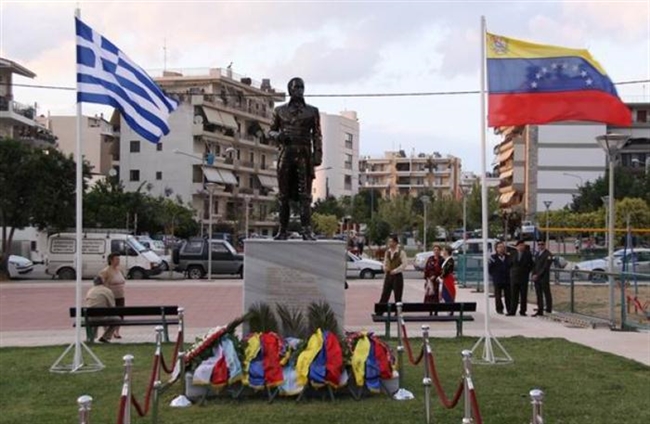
36,313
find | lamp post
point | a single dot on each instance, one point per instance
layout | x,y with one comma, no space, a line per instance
605,200
647,163
612,144
547,204
425,202
247,200
576,176
464,188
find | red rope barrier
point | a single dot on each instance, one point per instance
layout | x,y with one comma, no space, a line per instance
121,410
408,348
441,393
147,400
177,347
475,408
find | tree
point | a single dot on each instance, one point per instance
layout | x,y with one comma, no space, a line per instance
325,224
38,189
398,213
626,184
378,231
474,208
329,206
448,214
637,210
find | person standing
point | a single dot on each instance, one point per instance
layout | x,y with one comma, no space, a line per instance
100,296
394,264
447,278
542,279
499,269
521,264
432,270
114,279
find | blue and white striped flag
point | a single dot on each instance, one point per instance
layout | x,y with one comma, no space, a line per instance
105,75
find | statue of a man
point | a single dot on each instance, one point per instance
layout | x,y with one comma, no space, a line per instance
296,130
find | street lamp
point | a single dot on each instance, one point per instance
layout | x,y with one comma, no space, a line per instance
612,144
425,202
547,204
578,177
464,188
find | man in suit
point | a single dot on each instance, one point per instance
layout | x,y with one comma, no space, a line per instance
541,278
499,269
521,264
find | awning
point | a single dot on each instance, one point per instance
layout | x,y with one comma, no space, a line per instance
506,154
212,175
268,181
505,198
223,119
219,176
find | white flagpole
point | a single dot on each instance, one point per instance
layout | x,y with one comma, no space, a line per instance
488,352
78,360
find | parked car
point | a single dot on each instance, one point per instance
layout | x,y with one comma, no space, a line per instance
158,247
19,266
363,268
474,247
638,260
192,259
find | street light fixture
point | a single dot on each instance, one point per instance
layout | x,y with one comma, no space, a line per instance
465,189
547,204
612,144
425,202
578,177
647,163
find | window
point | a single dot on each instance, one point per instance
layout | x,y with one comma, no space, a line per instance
135,146
252,157
641,116
119,247
347,182
349,139
263,161
251,182
348,161
159,175
219,248
134,175
193,247
159,147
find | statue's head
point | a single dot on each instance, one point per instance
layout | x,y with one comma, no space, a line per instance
296,88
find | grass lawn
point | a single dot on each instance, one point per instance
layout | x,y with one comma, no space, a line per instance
582,385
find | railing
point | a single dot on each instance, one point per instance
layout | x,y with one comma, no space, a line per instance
18,108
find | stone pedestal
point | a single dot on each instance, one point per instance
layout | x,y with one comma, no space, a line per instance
295,273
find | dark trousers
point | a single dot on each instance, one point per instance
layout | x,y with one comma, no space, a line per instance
543,293
392,283
501,291
519,293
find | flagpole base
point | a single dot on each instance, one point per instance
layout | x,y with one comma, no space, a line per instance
93,366
489,355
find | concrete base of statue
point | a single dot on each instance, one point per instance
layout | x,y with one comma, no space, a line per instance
295,273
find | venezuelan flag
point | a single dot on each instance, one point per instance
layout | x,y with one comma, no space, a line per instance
537,84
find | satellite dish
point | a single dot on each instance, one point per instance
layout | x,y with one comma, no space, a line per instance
198,119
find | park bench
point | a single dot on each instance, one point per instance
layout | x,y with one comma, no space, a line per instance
123,316
426,312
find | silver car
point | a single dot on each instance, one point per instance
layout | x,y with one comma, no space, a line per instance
636,260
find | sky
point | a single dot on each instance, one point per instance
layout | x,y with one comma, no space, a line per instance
337,47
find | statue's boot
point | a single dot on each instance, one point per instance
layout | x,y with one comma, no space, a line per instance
308,234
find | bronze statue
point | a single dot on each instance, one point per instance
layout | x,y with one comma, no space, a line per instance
296,130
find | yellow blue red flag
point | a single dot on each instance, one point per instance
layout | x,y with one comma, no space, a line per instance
538,84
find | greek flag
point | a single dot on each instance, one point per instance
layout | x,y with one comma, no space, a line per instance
105,75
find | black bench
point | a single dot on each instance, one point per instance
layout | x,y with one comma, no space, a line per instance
387,312
148,316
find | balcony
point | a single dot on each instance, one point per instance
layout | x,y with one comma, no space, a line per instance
18,112
233,106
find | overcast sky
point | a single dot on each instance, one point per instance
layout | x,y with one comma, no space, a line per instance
337,47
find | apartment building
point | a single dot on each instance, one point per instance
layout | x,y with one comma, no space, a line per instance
398,174
100,142
338,175
18,120
541,163
216,144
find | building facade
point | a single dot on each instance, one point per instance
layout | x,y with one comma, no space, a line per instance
99,141
398,174
338,175
18,120
549,163
216,145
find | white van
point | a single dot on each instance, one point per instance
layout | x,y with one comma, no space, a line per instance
136,261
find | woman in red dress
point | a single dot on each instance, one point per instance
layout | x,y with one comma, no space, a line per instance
432,270
448,289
